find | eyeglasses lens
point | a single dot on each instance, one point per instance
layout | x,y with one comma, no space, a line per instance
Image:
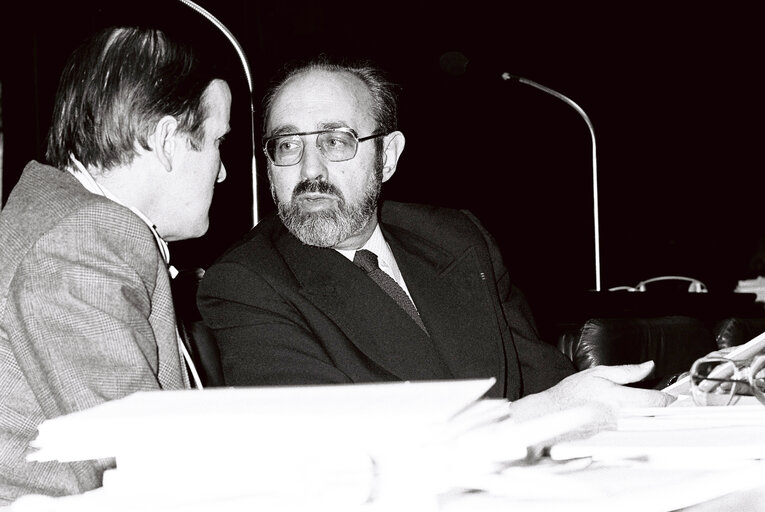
758,378
335,145
712,381
285,150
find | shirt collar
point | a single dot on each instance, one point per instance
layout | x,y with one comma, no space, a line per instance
90,184
378,245
374,244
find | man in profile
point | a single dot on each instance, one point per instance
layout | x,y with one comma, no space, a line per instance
86,313
338,288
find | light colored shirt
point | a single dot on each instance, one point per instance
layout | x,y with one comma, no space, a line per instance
385,259
87,181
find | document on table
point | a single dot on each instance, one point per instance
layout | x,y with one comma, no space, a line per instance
680,435
234,416
430,446
601,487
318,447
703,452
336,445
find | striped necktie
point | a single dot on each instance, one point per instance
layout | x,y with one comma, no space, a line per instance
367,260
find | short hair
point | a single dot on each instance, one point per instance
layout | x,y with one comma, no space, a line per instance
383,91
114,89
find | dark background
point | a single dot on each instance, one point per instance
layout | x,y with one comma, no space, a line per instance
673,89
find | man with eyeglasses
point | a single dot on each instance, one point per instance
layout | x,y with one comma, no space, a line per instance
293,303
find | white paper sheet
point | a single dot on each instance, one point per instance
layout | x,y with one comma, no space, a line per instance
302,414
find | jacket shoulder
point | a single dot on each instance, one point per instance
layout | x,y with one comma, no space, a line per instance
48,208
258,247
45,195
448,225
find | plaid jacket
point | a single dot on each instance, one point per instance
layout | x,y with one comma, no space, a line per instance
86,316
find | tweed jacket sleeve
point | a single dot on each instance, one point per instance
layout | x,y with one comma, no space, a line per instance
88,318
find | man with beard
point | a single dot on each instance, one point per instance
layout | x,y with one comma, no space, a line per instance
292,304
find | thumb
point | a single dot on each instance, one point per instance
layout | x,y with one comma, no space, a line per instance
625,373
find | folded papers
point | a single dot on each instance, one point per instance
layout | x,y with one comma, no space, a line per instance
327,446
271,420
681,455
424,446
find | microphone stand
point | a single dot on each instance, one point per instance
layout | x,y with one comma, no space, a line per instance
508,76
248,74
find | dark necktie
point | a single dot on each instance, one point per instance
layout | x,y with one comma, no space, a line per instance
367,260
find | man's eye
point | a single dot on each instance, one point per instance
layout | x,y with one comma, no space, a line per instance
335,142
287,145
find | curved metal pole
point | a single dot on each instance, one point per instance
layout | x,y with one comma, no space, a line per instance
596,215
248,74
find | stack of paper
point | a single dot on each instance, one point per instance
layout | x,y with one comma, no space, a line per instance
324,447
678,436
629,487
685,454
657,460
425,447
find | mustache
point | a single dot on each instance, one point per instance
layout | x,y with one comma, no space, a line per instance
316,187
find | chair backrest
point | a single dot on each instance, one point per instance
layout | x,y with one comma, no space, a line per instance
672,342
198,339
731,332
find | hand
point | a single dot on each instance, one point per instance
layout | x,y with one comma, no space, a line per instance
604,384
601,388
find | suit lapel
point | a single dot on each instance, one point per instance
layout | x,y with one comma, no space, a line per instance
372,321
451,295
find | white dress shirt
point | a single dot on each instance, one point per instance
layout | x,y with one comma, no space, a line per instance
378,245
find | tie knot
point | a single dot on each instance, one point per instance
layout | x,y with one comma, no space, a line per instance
365,259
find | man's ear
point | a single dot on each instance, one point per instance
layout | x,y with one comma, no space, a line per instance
163,141
393,145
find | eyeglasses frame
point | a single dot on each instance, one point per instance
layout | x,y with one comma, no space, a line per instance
755,365
344,129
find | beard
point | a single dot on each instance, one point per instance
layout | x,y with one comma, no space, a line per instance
328,227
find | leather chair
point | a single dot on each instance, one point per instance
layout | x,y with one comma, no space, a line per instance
672,342
197,338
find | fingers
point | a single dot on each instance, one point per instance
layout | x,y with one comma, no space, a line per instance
723,352
624,374
615,394
634,397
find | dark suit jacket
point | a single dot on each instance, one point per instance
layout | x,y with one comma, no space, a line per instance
285,313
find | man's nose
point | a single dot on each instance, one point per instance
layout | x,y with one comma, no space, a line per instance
313,164
221,173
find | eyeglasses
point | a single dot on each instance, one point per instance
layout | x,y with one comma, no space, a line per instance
336,144
718,380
